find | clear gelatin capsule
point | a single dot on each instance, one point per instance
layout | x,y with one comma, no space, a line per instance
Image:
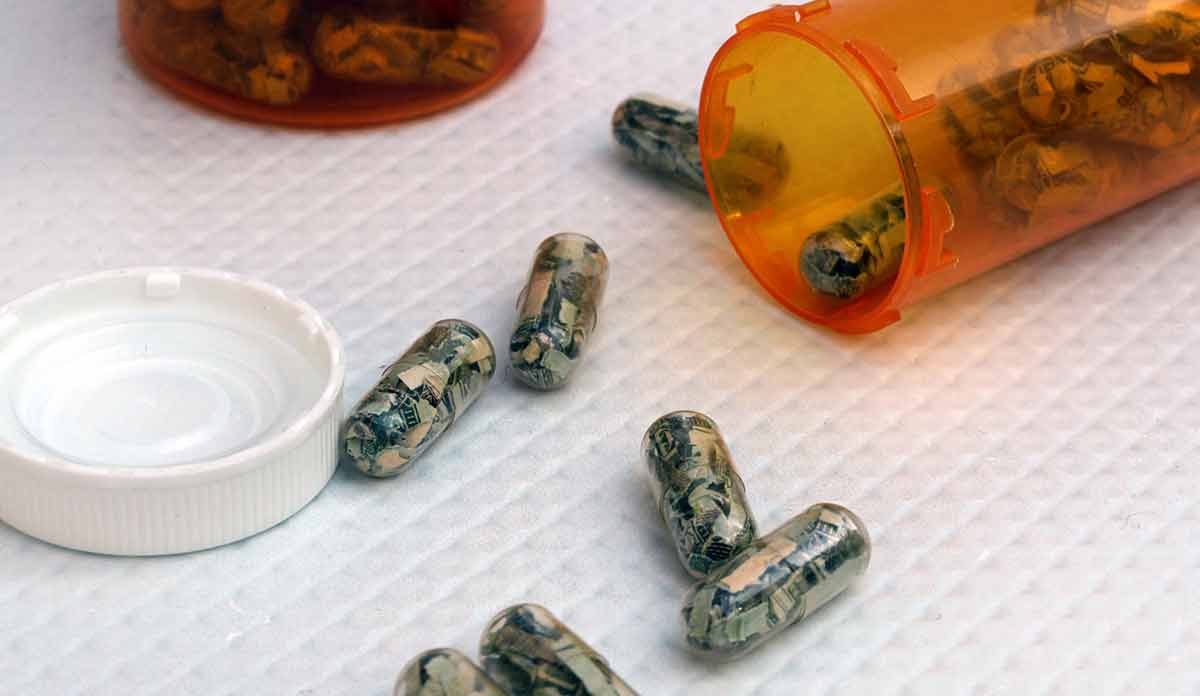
529,652
663,136
418,398
698,491
776,582
557,310
444,672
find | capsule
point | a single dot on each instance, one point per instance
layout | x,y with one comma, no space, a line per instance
269,70
418,398
776,582
529,652
489,13
260,17
1042,175
979,115
663,136
444,672
193,5
557,310
699,493
860,251
392,49
754,168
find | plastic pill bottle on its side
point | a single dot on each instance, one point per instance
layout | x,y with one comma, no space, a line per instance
865,154
330,63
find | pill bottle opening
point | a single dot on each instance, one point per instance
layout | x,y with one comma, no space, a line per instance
796,147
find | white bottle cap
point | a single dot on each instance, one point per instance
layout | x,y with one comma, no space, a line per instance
159,411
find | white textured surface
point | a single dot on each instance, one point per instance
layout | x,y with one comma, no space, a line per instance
1024,448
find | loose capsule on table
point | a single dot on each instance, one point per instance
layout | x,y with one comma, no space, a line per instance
418,398
529,652
444,672
557,310
1036,175
698,491
776,582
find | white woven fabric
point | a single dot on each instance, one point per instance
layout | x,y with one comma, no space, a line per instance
1023,448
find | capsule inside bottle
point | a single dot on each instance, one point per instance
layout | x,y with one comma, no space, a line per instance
529,652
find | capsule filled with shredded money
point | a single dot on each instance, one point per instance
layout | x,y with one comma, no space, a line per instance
529,652
558,310
860,251
699,493
366,47
662,136
444,672
418,398
193,5
331,63
272,71
778,581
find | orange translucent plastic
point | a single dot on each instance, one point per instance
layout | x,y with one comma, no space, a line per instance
338,103
864,95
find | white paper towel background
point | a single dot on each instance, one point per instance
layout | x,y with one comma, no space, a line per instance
1023,448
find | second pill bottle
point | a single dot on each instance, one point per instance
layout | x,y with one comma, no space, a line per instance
330,63
865,154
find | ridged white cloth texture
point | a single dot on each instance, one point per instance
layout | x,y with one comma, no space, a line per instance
1024,448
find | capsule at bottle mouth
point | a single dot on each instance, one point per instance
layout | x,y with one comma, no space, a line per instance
528,650
444,671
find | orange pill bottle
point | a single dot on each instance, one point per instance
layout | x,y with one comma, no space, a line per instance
1005,125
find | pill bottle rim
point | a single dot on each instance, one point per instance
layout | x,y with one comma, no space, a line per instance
878,310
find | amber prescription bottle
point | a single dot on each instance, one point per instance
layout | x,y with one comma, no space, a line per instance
938,140
330,63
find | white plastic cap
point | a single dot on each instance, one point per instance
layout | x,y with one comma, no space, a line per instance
160,411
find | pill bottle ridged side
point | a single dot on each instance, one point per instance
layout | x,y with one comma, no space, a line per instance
863,155
329,63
